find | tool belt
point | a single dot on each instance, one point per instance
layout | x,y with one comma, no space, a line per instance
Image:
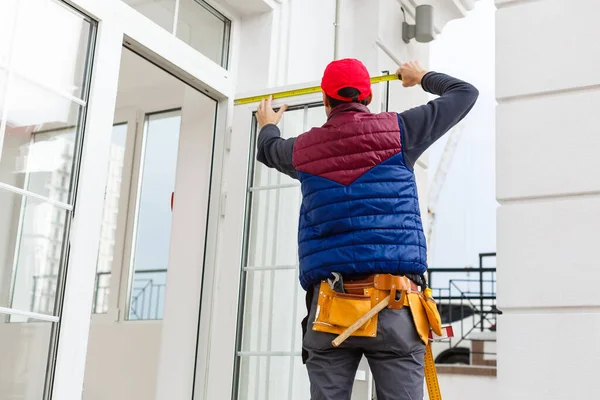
336,311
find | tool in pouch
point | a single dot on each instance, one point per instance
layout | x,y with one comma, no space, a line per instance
386,291
336,282
305,91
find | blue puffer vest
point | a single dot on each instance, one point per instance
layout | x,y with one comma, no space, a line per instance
360,210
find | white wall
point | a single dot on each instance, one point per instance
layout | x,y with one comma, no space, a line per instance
464,387
548,184
122,361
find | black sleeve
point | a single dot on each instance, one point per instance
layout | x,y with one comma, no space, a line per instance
275,152
422,126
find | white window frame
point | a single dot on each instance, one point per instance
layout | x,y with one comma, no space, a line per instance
118,24
129,117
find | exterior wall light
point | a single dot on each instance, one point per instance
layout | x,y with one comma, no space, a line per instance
423,30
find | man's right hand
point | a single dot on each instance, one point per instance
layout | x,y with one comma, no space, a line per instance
266,115
412,73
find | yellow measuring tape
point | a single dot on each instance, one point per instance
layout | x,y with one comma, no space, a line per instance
304,91
433,386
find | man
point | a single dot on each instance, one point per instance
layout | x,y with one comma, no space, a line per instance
360,219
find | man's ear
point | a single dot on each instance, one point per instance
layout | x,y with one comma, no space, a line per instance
369,99
325,100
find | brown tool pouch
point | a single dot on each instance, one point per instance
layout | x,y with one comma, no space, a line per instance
419,316
425,315
433,314
337,311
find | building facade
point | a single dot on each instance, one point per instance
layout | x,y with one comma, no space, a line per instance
113,288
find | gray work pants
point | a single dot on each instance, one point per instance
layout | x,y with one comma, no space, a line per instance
395,356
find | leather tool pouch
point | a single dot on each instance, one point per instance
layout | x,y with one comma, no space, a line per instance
419,316
425,315
423,308
433,315
337,311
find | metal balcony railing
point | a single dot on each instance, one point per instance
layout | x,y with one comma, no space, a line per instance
147,294
146,301
466,300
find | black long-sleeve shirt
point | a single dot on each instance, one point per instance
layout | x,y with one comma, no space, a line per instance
421,126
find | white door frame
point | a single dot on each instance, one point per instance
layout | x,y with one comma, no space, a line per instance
117,23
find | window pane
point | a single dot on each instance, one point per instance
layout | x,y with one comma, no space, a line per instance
31,252
39,142
315,117
274,227
265,377
8,10
300,383
153,219
55,52
291,125
269,320
205,29
162,12
108,238
24,349
3,80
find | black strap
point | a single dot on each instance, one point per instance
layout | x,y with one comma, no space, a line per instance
418,279
304,323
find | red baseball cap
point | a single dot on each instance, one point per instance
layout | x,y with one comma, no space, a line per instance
346,73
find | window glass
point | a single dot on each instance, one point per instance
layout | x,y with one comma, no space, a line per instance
273,303
54,53
3,81
291,125
269,323
31,252
256,377
108,237
205,29
273,227
162,12
152,226
40,139
8,10
24,349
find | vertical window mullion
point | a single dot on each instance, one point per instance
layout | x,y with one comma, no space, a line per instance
176,17
3,118
136,199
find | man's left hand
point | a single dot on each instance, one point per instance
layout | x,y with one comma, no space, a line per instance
266,115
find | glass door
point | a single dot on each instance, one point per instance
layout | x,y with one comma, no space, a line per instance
150,259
